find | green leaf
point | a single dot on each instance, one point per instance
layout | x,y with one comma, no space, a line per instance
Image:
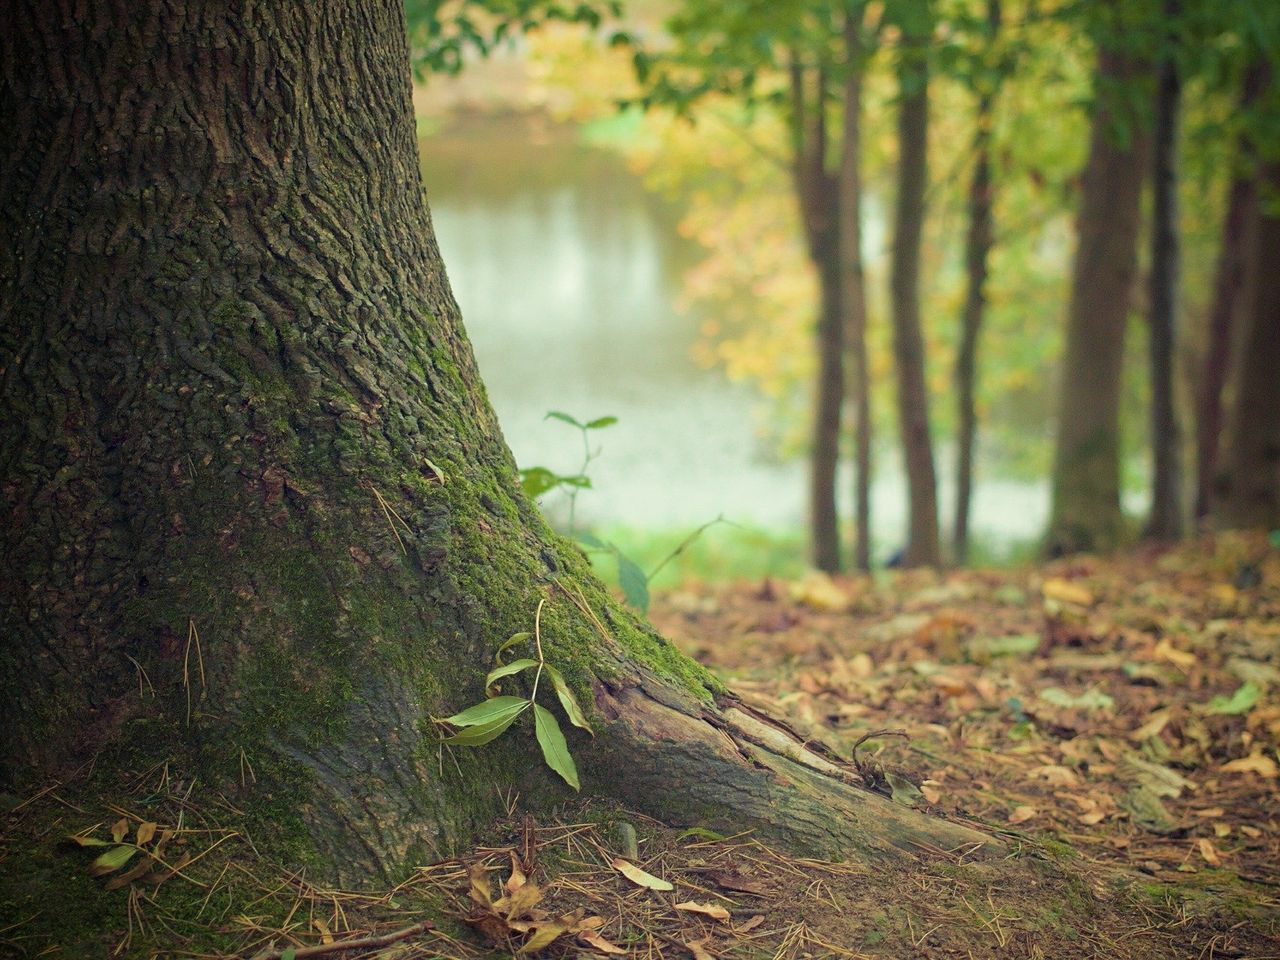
1091,699
554,750
1242,701
635,585
903,790
564,418
481,733
488,711
595,543
83,841
515,666
568,700
701,833
535,481
112,860
290,953
510,642
599,423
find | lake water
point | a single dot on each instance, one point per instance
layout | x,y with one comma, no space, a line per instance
567,271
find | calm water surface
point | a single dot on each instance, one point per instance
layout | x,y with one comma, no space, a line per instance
567,272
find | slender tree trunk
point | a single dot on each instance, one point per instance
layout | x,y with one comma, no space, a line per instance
852,281
908,342
816,190
1251,496
977,249
1086,474
1165,521
257,509
1228,289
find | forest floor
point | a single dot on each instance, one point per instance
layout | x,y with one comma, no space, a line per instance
1116,720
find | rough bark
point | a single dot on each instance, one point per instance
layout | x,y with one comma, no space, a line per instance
816,190
853,295
1165,520
977,249
1251,491
258,513
1228,296
1086,473
908,343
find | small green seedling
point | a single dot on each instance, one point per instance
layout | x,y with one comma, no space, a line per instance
489,719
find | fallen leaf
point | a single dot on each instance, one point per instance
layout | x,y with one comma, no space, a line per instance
480,892
120,829
1208,812
710,909
1242,701
544,935
1255,763
1209,852
1089,819
638,876
1022,814
1065,591
819,592
1158,720
1164,650
696,949
599,943
748,925
517,878
930,790
145,832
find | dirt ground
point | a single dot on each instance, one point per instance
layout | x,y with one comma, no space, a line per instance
1117,720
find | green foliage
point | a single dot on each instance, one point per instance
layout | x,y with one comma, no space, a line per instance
484,722
441,33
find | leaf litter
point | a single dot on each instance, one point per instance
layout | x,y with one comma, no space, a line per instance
1143,795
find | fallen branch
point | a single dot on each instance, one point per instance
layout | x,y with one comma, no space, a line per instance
364,943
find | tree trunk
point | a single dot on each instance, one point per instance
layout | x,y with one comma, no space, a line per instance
977,250
258,512
853,295
816,191
1251,496
1086,474
908,343
1165,520
1228,289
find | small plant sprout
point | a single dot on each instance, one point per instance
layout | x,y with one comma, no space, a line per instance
489,719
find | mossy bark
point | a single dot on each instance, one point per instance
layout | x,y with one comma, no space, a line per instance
260,521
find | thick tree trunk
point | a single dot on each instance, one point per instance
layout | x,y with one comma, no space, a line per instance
258,513
853,294
977,249
1086,474
908,342
816,190
1165,520
1228,290
1251,494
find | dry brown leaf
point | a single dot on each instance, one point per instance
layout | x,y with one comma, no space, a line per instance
1208,812
1066,591
1089,819
1155,723
748,925
517,878
710,909
1209,852
480,892
1164,650
639,877
326,936
145,832
697,949
544,935
120,829
1022,814
1251,832
1221,830
599,943
931,790
1257,763
1056,775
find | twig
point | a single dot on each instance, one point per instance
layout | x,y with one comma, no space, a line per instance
364,943
873,734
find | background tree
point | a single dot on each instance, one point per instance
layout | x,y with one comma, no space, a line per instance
916,25
978,242
248,457
1165,519
1086,511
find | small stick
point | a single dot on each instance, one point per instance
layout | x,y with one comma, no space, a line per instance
365,943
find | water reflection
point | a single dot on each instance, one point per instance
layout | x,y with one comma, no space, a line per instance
567,272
